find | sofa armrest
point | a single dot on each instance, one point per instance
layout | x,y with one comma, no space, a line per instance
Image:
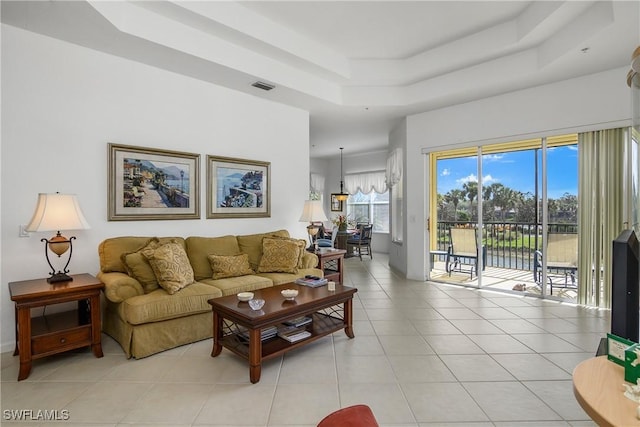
119,286
309,260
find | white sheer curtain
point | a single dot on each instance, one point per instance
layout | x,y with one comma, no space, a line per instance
365,182
394,167
317,183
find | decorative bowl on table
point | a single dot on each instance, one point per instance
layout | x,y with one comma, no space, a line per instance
256,304
245,296
289,294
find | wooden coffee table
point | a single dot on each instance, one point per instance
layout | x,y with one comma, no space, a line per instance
330,311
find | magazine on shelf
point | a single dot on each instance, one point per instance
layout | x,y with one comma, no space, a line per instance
312,283
298,321
293,334
265,334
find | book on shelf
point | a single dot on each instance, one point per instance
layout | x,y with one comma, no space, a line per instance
265,334
293,334
312,283
298,321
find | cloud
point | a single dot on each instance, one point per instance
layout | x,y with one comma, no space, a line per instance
492,157
445,172
469,178
488,179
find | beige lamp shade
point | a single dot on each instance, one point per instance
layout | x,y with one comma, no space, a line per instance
55,212
313,211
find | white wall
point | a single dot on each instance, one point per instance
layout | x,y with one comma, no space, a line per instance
592,102
62,104
398,250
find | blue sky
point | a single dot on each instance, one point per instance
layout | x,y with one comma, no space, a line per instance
514,170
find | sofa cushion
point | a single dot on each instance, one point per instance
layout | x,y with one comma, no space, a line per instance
171,266
230,265
251,244
158,305
199,248
279,255
282,278
139,268
233,285
110,250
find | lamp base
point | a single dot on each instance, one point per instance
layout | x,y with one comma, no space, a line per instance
59,277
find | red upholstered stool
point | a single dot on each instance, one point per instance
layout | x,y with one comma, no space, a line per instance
351,416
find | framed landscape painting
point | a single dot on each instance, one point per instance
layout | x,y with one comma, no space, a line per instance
238,188
151,184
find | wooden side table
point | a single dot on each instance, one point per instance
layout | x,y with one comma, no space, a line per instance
331,262
597,386
58,332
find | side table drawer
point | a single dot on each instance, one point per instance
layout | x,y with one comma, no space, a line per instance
59,341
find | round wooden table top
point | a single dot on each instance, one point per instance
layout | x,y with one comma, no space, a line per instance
598,387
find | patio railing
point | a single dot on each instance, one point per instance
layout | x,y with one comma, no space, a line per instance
509,244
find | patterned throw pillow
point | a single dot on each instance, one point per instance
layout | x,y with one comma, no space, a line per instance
302,244
171,266
230,265
279,256
139,268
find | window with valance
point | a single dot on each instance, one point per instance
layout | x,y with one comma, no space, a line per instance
366,182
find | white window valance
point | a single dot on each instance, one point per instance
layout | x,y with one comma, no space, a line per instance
317,183
394,167
365,182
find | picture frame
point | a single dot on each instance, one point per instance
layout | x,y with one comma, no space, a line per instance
336,205
152,184
238,188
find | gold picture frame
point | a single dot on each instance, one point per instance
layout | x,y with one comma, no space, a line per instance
152,184
238,188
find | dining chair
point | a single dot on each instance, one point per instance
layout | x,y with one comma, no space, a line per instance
361,241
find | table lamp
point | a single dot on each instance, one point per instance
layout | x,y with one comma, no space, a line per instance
312,212
55,212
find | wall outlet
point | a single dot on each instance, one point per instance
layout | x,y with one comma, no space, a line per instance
23,232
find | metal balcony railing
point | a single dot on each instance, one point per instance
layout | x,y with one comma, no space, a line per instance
509,244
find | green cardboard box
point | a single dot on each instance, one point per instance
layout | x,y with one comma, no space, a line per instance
631,364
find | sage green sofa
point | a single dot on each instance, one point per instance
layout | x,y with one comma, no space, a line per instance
145,318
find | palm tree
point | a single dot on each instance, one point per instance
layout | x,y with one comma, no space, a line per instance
454,196
470,190
441,203
489,193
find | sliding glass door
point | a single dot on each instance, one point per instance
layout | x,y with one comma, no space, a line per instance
501,198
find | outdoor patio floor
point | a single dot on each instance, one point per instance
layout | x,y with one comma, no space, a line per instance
502,279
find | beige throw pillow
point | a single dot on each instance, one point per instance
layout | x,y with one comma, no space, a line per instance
230,265
139,268
302,244
171,266
279,256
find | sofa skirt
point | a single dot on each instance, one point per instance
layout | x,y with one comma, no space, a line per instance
144,340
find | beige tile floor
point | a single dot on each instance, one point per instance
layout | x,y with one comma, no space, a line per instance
425,354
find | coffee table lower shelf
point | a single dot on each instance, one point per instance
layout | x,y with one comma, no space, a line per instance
321,326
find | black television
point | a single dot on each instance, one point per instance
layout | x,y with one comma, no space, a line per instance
625,295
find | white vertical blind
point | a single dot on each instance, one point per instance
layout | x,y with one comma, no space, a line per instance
600,212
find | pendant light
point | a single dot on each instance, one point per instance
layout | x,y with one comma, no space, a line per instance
342,196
